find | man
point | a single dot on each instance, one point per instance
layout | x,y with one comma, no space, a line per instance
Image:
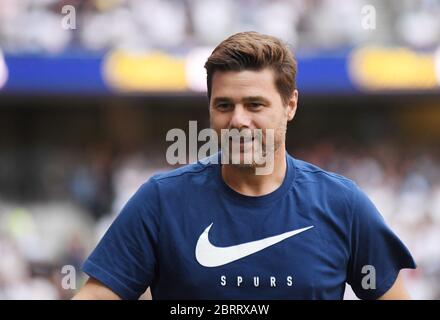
213,230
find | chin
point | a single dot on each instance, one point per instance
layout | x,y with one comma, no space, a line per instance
245,164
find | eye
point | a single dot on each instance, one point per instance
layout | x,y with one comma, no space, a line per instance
255,105
223,106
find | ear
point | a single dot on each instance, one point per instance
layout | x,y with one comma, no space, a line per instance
292,105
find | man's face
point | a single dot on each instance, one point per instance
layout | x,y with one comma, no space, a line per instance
249,100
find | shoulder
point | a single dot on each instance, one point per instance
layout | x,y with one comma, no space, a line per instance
171,186
324,185
194,173
310,173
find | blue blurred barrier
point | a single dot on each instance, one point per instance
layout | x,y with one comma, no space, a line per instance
363,70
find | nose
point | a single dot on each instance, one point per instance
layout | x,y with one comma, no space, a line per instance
240,118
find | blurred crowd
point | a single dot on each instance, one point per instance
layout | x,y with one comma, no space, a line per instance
30,26
38,239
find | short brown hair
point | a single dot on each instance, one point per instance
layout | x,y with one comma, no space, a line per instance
255,51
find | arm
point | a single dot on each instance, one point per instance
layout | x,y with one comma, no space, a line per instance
397,291
95,290
124,261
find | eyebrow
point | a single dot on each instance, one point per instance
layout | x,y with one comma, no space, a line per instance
255,98
222,99
245,99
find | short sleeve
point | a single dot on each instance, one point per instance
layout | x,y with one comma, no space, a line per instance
125,258
377,254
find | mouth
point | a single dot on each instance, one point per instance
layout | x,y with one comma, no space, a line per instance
246,145
243,140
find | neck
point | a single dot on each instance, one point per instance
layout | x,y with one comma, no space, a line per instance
244,180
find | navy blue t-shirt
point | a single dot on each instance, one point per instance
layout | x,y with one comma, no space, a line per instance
188,235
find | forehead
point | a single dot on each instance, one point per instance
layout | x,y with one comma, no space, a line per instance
236,84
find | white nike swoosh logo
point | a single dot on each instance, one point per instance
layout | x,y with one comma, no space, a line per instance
209,255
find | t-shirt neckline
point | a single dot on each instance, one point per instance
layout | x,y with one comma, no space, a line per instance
257,200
